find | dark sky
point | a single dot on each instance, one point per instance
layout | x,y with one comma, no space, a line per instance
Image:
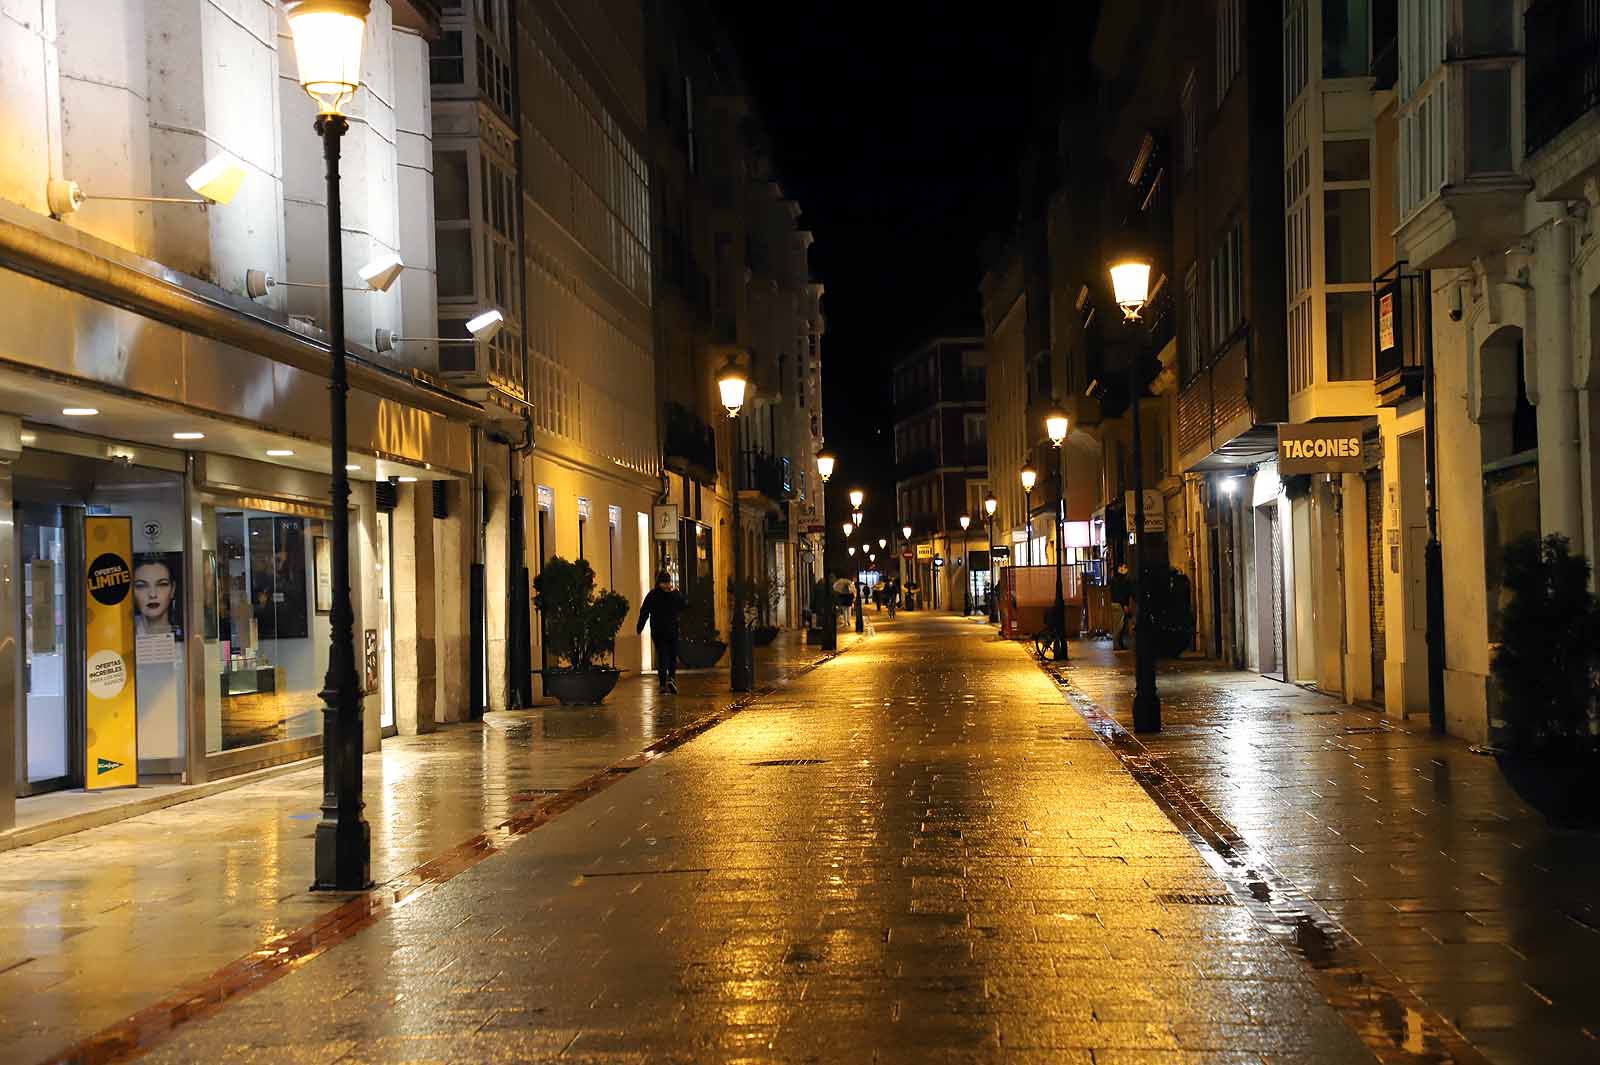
897,128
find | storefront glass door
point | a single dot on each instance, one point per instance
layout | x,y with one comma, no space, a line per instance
385,547
49,740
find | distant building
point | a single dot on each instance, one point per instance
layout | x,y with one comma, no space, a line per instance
941,441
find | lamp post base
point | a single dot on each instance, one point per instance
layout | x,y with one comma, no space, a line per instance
1146,712
343,846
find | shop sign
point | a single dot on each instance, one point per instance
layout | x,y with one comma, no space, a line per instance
112,747
924,552
1155,510
664,521
1319,447
1000,553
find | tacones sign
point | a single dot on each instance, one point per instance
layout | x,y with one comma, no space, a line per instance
1319,447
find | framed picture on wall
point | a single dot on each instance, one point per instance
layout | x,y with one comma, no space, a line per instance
322,571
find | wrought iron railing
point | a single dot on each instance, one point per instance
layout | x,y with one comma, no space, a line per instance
1563,66
690,439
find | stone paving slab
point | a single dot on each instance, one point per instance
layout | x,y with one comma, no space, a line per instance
100,924
1413,843
915,853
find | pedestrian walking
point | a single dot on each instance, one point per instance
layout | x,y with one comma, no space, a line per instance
844,595
1122,594
660,610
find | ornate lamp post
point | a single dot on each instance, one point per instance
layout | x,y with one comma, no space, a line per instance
830,622
966,576
328,35
857,497
731,385
1030,477
1056,425
1130,280
990,505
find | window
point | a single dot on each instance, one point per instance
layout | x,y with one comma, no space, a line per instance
1191,345
1349,336
976,433
1346,161
1191,125
1230,45
972,373
446,61
1488,119
1487,27
1227,285
1296,46
1347,236
1344,38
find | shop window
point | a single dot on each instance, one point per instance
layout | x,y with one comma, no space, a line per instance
266,614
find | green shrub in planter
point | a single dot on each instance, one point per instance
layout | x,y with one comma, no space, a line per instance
1548,662
580,625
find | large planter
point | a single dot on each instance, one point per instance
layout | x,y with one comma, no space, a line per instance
1566,790
700,654
762,635
587,688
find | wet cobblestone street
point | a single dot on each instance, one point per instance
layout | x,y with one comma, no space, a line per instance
916,853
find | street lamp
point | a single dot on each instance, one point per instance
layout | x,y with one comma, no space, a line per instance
966,574
849,527
1056,425
1030,477
990,505
731,386
858,518
882,544
830,623
1130,279
905,538
328,35
857,496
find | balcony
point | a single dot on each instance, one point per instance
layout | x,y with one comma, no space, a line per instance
766,475
1561,128
691,444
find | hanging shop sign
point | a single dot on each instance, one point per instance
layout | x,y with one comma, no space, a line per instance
924,552
1000,552
112,746
664,521
1155,510
1319,447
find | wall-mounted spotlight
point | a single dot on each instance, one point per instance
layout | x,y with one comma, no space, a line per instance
485,326
217,181
377,276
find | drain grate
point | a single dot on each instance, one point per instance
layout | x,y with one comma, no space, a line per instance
1198,900
790,761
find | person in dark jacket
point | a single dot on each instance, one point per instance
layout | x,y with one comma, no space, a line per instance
660,611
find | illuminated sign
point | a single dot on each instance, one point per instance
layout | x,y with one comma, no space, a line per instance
1319,447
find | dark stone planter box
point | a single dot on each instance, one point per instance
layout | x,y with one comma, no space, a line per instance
762,635
1565,790
700,654
588,688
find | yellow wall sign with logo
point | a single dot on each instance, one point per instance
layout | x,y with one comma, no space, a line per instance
112,743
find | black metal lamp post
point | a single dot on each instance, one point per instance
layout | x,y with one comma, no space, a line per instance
966,577
905,538
1130,279
731,384
328,35
857,497
830,620
1056,424
990,505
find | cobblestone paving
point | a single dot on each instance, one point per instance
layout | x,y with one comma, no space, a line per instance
100,924
916,853
1413,843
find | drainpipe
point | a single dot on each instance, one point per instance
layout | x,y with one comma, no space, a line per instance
1432,554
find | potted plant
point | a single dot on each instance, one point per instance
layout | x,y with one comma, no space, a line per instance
580,628
1547,671
762,599
698,645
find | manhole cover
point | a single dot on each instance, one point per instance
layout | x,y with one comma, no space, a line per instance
1197,900
790,761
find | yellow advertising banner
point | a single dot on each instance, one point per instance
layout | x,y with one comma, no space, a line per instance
112,745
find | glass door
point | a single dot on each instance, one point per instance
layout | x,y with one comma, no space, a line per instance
386,620
49,737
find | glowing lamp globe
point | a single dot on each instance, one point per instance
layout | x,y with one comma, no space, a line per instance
328,35
1130,281
1056,424
731,385
825,461
1030,477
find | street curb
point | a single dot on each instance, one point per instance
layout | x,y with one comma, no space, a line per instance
1376,1004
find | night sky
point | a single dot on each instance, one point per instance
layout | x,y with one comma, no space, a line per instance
897,128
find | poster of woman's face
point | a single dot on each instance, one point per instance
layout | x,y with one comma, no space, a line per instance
157,607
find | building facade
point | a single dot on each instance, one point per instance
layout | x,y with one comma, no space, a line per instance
942,472
164,414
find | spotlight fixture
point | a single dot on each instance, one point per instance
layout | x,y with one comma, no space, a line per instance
217,181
